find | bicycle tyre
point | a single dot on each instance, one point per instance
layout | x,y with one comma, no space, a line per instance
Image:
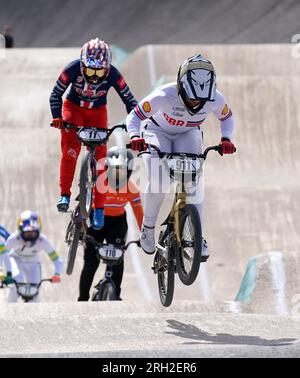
95,296
188,276
86,186
107,293
74,241
166,284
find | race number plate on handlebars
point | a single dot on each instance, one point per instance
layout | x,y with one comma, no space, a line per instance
92,135
27,290
184,165
110,252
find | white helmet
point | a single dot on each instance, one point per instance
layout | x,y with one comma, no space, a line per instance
119,165
196,83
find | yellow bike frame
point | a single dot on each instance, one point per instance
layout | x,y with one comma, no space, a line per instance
178,204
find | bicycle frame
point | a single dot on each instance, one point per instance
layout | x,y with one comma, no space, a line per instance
91,138
180,196
92,143
107,280
78,221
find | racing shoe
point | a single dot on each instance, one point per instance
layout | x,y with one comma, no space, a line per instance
98,219
63,203
204,252
147,239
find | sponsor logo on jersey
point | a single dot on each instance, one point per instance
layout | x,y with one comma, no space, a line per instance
87,93
64,77
178,109
225,110
177,114
147,107
101,93
121,83
173,121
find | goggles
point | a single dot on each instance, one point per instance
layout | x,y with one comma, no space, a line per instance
90,72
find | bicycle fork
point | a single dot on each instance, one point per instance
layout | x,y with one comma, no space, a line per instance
180,202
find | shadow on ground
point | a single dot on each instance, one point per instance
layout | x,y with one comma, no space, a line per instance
189,331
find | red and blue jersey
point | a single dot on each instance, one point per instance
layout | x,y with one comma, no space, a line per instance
85,95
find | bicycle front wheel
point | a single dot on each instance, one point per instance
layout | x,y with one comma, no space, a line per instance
108,293
188,255
165,275
86,185
72,239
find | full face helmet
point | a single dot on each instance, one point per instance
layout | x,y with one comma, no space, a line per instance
29,226
95,61
119,165
196,83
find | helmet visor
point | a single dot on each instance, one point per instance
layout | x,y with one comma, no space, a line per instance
97,72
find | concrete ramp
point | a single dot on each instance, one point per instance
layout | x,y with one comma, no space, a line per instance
272,283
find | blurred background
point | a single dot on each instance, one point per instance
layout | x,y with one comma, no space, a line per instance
132,23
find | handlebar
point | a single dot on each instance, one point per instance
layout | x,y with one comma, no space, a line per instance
32,284
71,126
163,154
4,284
96,244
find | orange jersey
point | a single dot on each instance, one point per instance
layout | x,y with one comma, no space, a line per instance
116,200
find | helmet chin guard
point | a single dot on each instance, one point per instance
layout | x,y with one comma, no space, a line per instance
196,83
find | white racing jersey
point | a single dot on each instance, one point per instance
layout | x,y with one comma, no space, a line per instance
16,247
165,109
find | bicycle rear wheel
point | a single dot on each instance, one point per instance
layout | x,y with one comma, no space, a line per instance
86,185
164,265
72,239
188,255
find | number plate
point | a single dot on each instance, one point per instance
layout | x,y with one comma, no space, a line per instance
93,135
110,252
27,290
184,165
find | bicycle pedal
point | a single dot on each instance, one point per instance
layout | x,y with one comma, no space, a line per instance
204,258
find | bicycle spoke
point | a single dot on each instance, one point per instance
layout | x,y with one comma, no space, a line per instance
187,256
187,245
